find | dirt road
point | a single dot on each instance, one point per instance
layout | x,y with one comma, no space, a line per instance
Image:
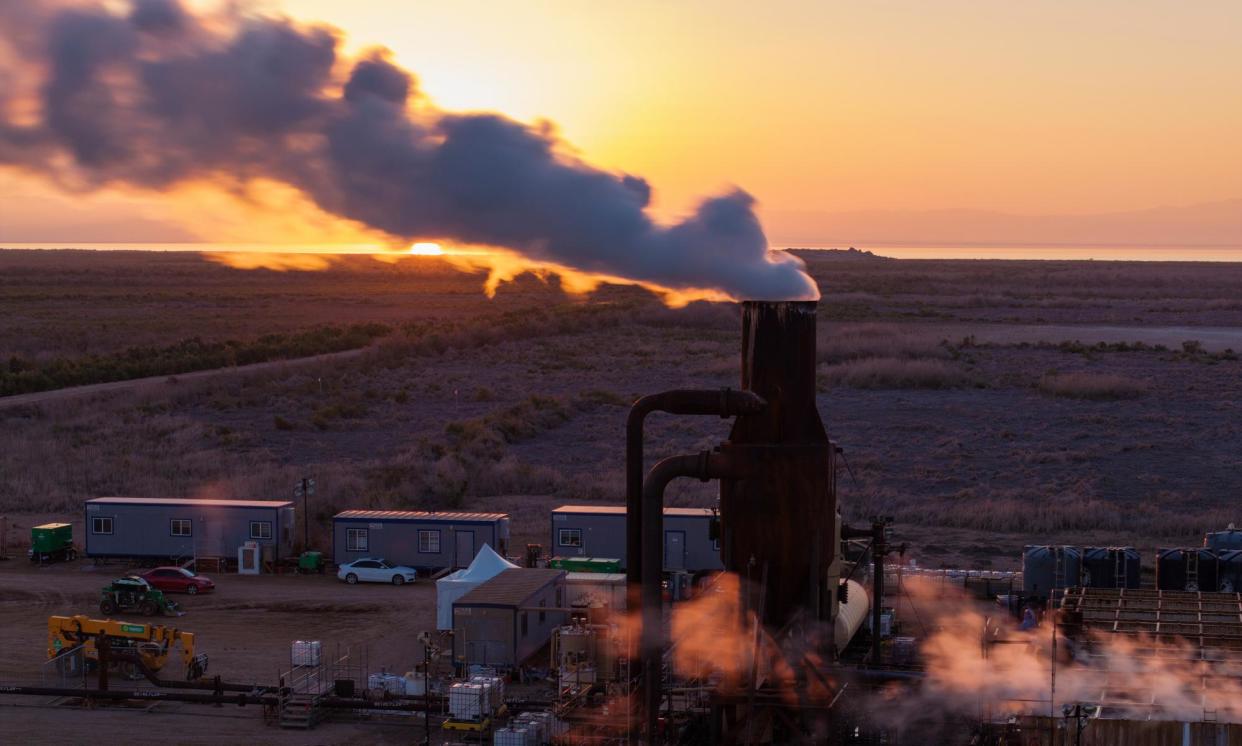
245,627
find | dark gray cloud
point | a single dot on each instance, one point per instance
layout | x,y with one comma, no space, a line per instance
156,96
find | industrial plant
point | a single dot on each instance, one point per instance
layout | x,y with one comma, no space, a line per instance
763,619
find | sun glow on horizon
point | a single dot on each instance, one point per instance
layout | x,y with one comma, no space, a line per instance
426,248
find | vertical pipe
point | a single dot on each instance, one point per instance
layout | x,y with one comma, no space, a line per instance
878,549
703,466
723,403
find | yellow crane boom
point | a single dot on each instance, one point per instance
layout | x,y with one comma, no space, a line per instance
152,642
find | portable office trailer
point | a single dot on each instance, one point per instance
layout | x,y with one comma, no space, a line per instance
419,539
170,528
509,618
599,531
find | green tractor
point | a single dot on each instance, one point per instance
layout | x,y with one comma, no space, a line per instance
132,593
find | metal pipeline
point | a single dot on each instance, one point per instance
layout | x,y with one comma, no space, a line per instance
724,403
703,466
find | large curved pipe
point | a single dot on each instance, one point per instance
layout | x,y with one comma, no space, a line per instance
721,402
703,466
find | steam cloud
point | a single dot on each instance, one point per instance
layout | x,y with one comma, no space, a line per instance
154,95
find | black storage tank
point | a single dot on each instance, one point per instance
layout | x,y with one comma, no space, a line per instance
1230,538
1048,568
1187,569
1110,567
1229,571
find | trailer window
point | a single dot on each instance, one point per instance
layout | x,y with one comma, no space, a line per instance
355,540
570,537
429,541
543,615
525,623
101,525
181,527
260,529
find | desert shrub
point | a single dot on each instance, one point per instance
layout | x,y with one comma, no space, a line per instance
281,423
1095,386
21,376
856,342
893,373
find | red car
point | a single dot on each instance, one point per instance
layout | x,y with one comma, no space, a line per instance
178,580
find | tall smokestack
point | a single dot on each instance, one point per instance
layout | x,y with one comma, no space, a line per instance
778,527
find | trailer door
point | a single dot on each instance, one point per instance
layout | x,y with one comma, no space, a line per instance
465,548
674,550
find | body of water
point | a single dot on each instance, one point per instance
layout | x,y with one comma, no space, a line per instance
1095,253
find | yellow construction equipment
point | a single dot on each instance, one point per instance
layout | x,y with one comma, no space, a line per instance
127,641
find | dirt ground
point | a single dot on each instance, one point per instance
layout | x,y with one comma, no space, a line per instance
245,627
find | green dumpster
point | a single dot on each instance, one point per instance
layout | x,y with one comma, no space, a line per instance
310,562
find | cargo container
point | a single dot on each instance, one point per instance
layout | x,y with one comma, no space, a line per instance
423,540
599,531
178,529
52,542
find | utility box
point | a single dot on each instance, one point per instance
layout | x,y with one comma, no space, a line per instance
52,542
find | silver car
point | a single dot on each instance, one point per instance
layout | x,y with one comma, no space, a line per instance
375,570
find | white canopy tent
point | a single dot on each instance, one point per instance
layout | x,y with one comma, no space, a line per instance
486,565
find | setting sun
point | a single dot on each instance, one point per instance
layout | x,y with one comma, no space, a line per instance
426,249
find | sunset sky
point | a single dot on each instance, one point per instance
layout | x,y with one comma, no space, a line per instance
1038,108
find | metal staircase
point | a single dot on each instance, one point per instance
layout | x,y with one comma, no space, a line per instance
300,710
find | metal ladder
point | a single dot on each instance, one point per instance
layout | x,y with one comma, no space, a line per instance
1192,571
1058,573
1119,567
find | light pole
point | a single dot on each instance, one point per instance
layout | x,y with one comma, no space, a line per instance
304,490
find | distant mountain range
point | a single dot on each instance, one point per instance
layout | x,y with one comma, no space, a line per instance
1204,224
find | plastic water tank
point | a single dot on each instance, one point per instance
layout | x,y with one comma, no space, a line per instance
1111,567
1173,569
1040,573
1229,578
1219,540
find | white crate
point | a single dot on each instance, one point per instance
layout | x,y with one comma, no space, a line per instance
538,733
305,652
466,702
513,736
495,690
387,682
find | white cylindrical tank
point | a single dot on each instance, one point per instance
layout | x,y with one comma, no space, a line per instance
851,614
